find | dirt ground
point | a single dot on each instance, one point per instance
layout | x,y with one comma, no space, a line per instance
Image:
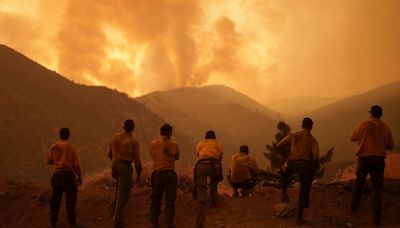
26,205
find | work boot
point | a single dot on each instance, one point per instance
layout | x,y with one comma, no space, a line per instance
198,225
377,221
76,225
300,221
235,194
119,225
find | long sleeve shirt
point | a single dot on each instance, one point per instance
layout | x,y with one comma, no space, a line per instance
303,146
242,167
373,138
164,153
64,156
209,148
124,147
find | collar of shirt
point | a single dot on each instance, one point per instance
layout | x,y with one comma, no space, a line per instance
163,137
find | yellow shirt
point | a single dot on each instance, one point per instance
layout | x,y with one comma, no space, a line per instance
242,167
64,156
209,148
124,147
303,146
164,153
373,137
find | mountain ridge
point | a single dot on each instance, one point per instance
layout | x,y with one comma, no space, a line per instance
38,102
335,122
236,118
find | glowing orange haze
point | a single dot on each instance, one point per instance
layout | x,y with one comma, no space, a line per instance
267,49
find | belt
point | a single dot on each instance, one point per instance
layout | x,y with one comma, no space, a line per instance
208,160
60,171
164,170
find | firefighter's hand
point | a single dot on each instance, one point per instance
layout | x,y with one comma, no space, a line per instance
79,181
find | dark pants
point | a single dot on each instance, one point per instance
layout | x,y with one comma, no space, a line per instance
375,166
245,185
163,181
206,169
63,181
304,169
122,173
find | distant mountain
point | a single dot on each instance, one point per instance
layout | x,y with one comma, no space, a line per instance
236,118
290,107
334,123
35,102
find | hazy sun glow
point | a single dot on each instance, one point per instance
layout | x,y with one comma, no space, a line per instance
266,49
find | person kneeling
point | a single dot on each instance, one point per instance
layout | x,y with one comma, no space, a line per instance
243,171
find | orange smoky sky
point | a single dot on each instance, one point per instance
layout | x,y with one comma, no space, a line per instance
268,49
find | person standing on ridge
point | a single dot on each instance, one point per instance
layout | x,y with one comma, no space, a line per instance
303,160
66,178
164,153
123,150
373,138
209,154
243,171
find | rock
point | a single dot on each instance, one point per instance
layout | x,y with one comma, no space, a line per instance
284,210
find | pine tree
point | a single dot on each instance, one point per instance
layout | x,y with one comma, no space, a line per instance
277,156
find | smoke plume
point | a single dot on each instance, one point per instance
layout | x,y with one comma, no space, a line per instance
267,49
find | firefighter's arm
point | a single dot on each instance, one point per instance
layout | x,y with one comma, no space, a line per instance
49,158
356,136
315,152
284,141
109,155
390,143
137,160
221,152
176,151
77,167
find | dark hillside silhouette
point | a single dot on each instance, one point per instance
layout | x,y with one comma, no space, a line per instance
35,102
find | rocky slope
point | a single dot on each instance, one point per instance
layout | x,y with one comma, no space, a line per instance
26,204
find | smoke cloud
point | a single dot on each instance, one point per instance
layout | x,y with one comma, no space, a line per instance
267,49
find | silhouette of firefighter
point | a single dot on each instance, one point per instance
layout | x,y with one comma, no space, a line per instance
164,180
208,169
124,150
373,138
243,171
66,178
303,159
